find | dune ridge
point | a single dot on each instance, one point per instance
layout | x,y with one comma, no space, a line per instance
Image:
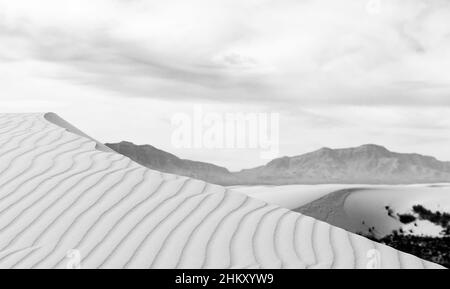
60,194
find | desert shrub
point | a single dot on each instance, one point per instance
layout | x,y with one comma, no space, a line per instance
406,218
437,218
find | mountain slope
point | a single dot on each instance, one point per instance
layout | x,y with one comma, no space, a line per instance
368,164
157,159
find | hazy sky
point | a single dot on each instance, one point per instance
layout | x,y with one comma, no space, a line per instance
339,73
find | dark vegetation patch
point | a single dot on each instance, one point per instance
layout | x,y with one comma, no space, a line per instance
437,218
406,218
433,249
419,212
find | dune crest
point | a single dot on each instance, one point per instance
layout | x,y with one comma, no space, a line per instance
65,203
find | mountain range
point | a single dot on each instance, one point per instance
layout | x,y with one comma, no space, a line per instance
366,164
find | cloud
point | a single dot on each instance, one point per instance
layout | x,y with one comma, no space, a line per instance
136,58
302,52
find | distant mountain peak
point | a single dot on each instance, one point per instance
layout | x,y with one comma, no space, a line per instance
365,147
324,150
373,147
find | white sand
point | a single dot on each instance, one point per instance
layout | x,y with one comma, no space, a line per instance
358,208
62,200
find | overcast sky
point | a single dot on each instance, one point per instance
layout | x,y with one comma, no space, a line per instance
340,73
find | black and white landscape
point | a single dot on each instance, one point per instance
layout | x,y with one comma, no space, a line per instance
367,190
224,134
66,202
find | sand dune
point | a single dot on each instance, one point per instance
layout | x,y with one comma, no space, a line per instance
364,208
61,198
